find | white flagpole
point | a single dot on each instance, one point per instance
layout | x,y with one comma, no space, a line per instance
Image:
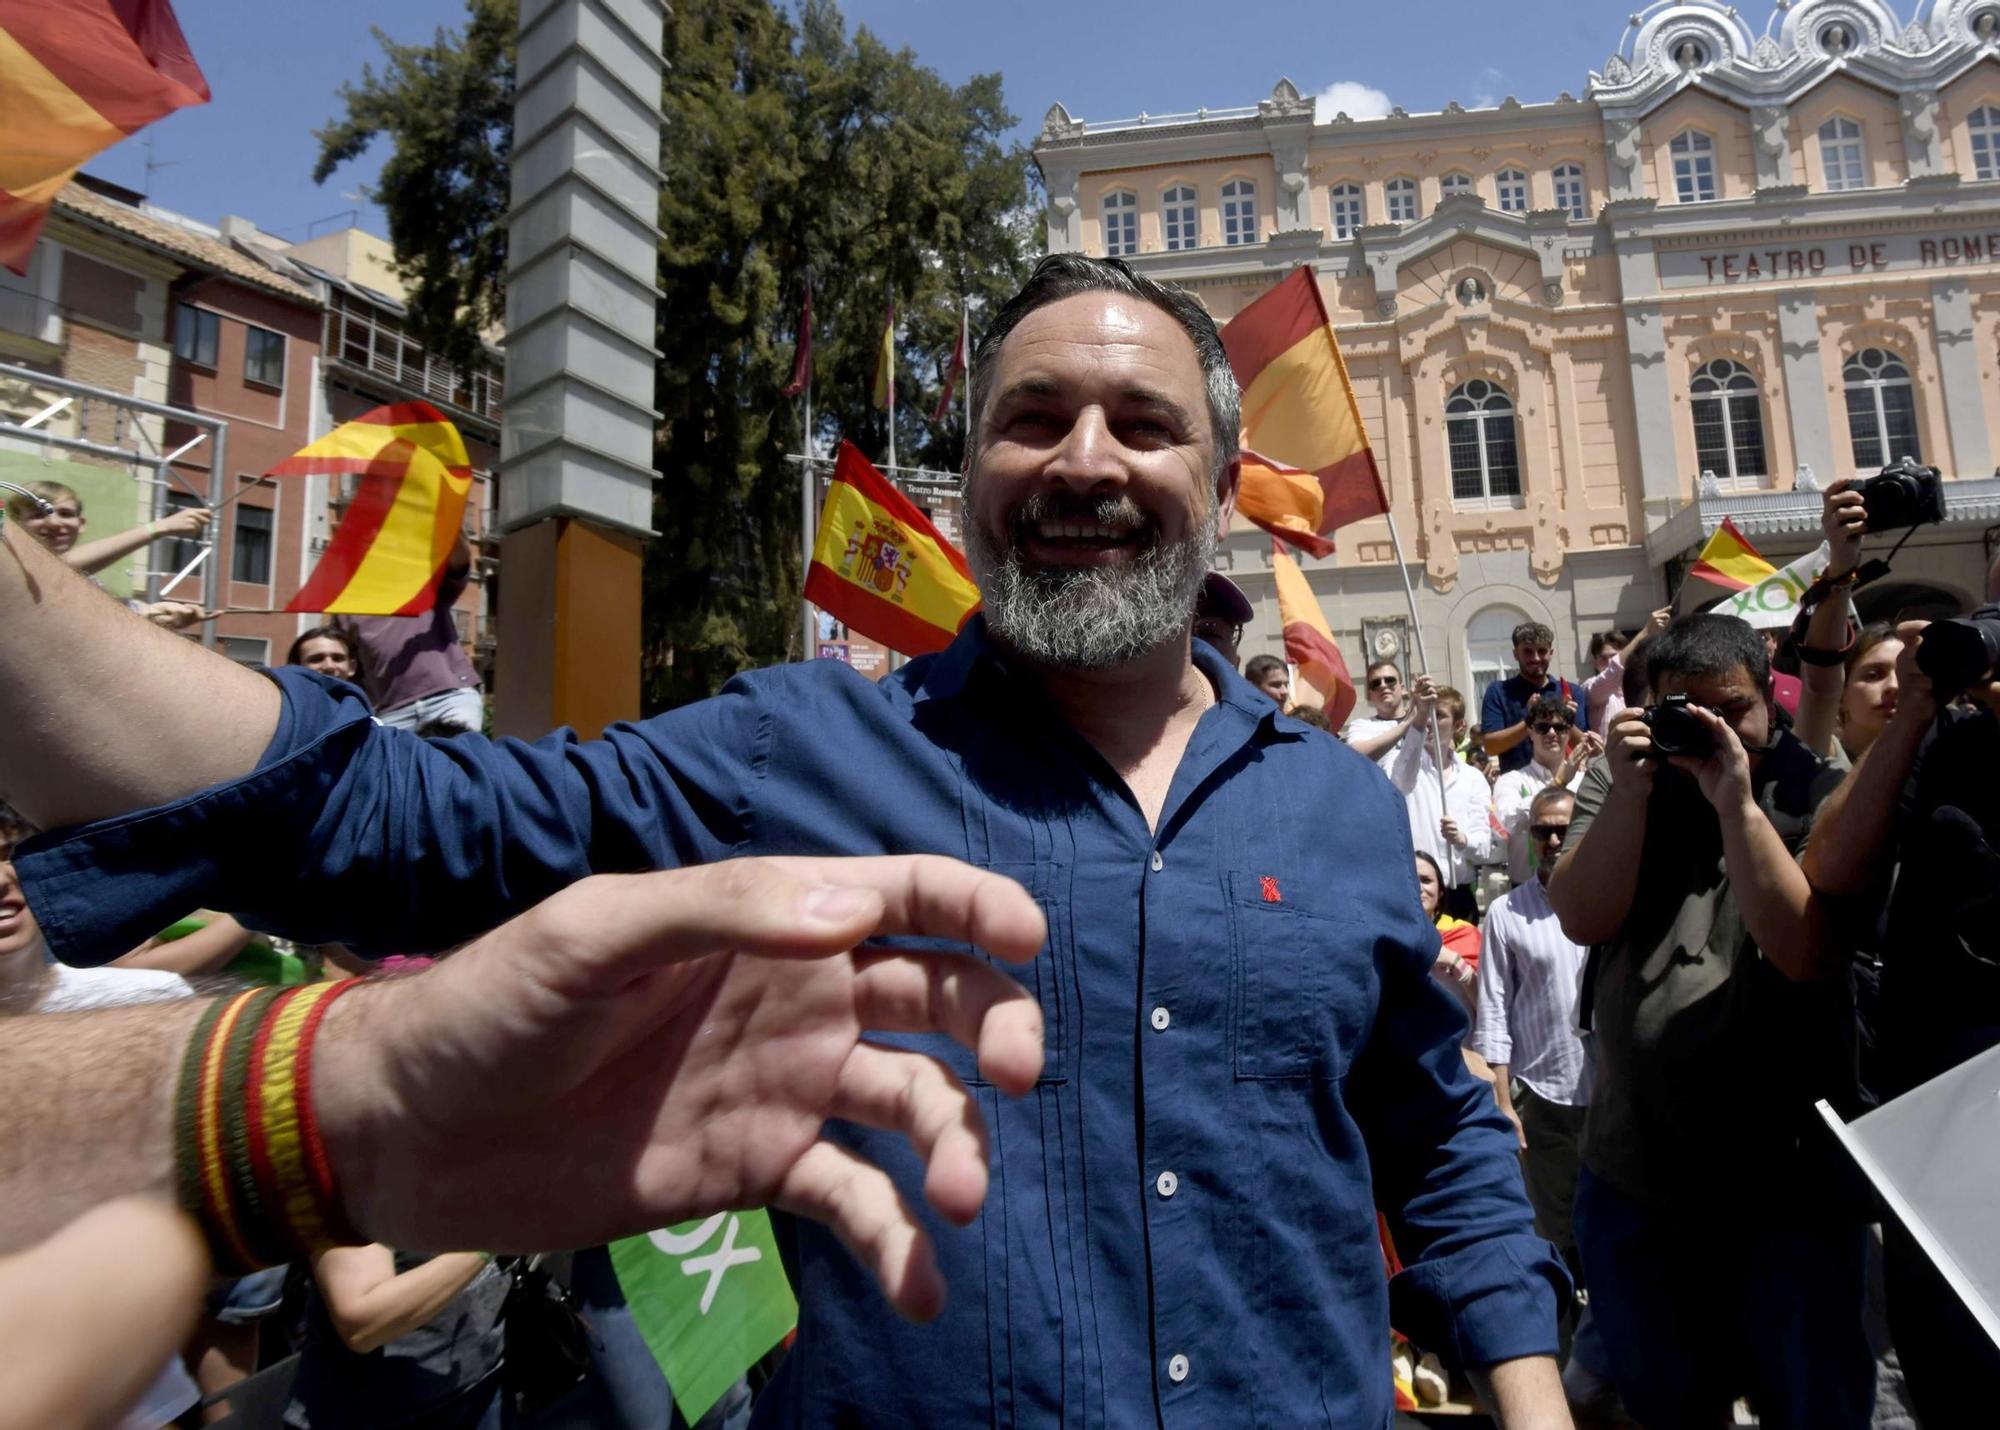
889,358
808,521
965,337
1423,660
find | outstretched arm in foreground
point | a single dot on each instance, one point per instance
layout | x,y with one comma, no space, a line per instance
633,1052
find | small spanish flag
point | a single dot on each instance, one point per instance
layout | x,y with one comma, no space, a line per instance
391,548
1730,561
879,565
1309,644
76,76
885,362
1300,416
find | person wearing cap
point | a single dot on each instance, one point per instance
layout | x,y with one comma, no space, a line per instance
1221,612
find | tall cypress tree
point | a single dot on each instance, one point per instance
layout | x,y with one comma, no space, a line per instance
789,144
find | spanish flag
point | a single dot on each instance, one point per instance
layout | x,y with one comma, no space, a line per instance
392,546
76,76
1309,644
1730,561
1300,418
879,565
885,362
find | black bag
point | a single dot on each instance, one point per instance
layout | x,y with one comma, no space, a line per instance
548,1341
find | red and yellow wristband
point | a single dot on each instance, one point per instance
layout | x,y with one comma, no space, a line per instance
249,1161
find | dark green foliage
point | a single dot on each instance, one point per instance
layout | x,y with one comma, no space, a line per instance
789,145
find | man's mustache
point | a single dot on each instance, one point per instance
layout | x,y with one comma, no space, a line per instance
1105,510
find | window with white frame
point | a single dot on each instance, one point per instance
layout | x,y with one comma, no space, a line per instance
1455,184
1983,127
1570,195
1121,224
1728,422
1840,154
1401,196
263,356
1480,435
1881,408
1239,211
1693,153
1349,211
1511,187
1178,217
1489,649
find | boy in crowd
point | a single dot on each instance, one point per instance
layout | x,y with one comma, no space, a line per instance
1457,833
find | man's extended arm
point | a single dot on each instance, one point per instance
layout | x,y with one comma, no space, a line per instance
1525,1394
1376,745
1850,842
1497,738
1592,886
103,711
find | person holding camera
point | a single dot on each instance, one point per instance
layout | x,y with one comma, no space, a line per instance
1719,1263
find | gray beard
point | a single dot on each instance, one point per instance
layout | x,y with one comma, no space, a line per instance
1090,617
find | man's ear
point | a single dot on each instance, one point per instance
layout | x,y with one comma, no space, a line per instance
1227,485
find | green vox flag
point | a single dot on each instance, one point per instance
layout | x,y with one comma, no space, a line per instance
710,1297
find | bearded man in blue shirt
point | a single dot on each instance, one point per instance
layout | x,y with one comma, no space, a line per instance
1246,1054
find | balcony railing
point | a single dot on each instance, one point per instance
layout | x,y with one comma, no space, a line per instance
371,339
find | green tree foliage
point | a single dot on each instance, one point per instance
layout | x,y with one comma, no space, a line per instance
791,146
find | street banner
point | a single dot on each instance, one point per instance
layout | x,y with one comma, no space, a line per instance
881,567
1309,643
711,1299
1774,601
390,550
802,354
884,392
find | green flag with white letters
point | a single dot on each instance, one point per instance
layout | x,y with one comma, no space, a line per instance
710,1297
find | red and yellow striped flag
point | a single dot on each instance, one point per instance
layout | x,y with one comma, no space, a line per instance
76,76
392,546
1299,414
879,565
885,362
1309,643
1730,561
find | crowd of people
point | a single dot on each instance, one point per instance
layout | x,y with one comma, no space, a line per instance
1532,1085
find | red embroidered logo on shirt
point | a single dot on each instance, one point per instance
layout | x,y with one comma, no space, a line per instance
1270,887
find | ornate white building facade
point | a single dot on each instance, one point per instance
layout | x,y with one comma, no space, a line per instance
1744,264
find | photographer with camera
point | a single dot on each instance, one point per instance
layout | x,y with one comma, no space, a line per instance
1921,814
1718,1262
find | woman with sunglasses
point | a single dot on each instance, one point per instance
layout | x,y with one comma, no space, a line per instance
1558,759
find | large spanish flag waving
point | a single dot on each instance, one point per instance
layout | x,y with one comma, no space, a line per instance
879,565
1730,561
392,546
1300,420
76,76
1309,644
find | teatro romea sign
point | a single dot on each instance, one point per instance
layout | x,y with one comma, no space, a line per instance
1901,252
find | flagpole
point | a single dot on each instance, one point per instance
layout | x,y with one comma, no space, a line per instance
1423,660
808,521
965,337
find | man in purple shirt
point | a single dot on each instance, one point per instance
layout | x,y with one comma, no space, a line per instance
414,667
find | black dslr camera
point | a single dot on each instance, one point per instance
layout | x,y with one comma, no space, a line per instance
1676,731
1902,494
1961,653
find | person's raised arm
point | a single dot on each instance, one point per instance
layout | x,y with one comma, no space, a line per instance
1499,738
1592,885
1377,745
370,1304
1851,838
1844,520
1409,762
93,556
105,712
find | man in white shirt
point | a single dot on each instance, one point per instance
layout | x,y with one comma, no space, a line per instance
1457,832
1376,735
1524,1024
1557,761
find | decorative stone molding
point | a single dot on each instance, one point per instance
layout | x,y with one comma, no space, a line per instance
1065,216
1057,124
1922,143
1769,124
1621,147
1285,102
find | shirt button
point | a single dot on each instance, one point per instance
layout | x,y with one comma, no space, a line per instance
1168,1183
1158,862
1161,1017
1177,1369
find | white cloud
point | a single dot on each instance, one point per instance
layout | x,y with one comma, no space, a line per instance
1349,96
1488,87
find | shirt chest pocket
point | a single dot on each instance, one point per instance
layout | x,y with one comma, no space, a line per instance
1304,986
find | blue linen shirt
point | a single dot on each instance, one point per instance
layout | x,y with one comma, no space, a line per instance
1506,704
1246,1052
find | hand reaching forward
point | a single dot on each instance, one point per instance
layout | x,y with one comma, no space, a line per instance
639,1050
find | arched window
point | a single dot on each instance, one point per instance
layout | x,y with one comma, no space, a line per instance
1489,649
1983,124
1840,154
1239,211
1511,186
1401,195
1178,217
1728,421
1570,195
1881,408
1348,209
1694,166
1455,184
1121,224
1479,431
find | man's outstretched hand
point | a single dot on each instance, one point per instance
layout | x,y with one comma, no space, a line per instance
642,1049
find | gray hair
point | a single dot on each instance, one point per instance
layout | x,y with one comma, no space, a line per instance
1065,275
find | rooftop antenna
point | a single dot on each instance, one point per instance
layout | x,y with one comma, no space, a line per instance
154,165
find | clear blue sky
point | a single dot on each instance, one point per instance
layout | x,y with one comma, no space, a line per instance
275,65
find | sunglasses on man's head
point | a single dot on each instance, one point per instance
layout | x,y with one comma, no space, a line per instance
1549,831
1383,682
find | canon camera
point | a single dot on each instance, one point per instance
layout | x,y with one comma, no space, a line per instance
1676,729
1901,495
